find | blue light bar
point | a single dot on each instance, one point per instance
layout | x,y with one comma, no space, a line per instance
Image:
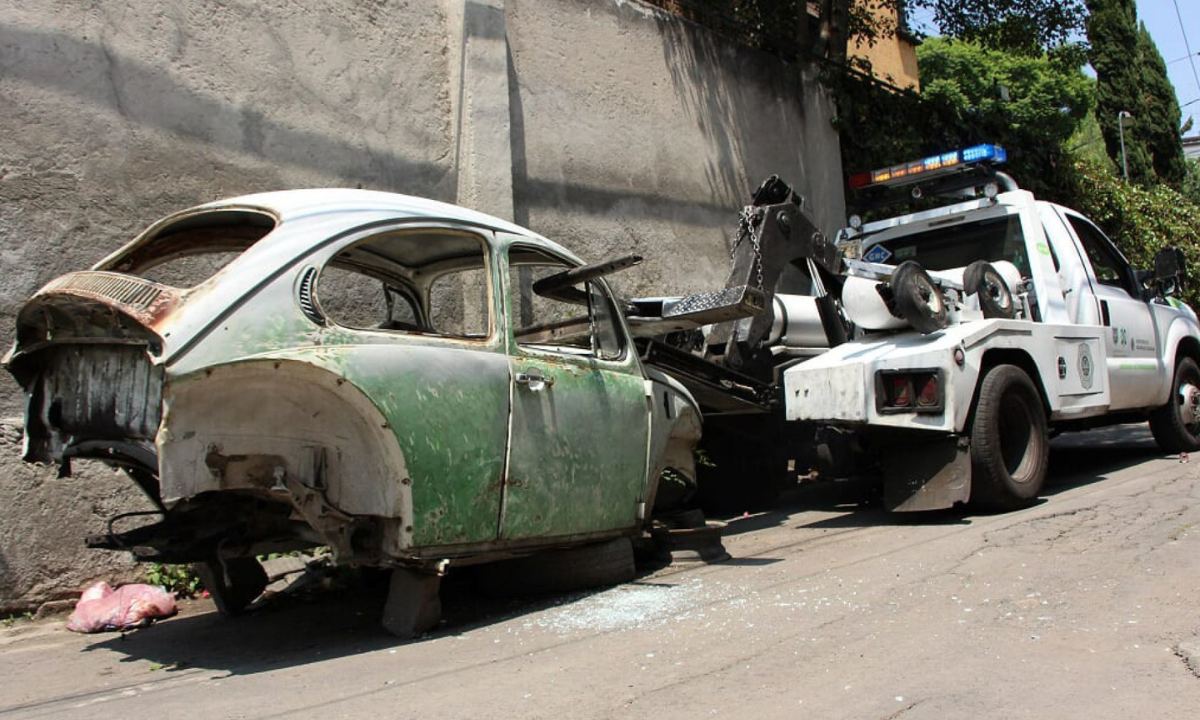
980,153
927,168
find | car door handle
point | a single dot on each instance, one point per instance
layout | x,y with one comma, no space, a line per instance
534,379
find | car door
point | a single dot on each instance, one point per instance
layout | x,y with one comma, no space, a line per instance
1132,343
580,416
407,315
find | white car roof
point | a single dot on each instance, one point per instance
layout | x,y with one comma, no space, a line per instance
295,204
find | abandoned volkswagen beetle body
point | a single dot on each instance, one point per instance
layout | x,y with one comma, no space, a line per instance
363,370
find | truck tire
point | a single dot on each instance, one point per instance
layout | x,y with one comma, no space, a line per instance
1176,425
1010,445
233,583
995,299
918,300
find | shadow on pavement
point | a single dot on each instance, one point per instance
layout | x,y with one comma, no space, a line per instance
1076,460
1083,458
286,632
298,630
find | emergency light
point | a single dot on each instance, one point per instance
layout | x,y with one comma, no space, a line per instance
928,168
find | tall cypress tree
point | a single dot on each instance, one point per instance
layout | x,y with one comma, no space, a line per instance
1113,36
1132,76
1161,108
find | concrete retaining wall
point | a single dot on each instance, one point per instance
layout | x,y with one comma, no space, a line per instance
603,124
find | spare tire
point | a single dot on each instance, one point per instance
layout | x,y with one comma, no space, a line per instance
983,280
918,300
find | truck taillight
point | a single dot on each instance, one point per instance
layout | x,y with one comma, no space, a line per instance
901,392
909,391
929,391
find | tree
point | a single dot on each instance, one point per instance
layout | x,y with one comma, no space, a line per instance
1190,186
1132,77
1030,105
1027,26
1161,108
1141,220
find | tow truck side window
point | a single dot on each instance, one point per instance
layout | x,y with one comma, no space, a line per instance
1109,266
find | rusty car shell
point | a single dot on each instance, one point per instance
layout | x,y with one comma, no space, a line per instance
256,423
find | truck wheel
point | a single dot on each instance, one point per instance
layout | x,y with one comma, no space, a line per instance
995,299
233,583
1010,447
1176,425
918,300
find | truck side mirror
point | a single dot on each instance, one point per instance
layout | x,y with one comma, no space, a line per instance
1170,270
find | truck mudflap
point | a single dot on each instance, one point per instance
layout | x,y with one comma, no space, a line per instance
930,475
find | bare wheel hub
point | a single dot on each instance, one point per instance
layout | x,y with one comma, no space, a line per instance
1189,405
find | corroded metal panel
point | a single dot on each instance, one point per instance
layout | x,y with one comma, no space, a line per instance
102,391
448,408
292,432
577,458
92,393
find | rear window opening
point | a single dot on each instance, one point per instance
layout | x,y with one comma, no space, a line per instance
194,248
955,246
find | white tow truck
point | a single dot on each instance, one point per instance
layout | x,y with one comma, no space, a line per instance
943,348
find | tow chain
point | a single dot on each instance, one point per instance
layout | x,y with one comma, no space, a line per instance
748,218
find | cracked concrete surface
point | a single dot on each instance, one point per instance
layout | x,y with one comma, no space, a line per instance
1189,653
1082,606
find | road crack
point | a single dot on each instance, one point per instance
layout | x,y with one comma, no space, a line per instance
1189,653
903,710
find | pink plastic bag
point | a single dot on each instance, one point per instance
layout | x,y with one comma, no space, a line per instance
129,606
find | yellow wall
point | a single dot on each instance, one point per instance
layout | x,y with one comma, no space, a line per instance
893,60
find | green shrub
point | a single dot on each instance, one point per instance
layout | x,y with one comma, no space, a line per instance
1141,220
180,579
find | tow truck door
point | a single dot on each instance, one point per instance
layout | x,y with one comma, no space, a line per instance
1108,294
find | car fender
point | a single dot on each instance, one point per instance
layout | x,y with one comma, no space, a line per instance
288,430
675,429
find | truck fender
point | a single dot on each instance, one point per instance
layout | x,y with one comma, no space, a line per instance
1181,340
1002,356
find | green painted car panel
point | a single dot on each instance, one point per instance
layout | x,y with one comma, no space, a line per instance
577,461
448,408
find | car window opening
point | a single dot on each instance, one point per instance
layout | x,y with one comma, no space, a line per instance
431,282
959,245
579,320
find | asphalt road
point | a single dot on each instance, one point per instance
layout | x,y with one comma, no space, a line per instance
1087,605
